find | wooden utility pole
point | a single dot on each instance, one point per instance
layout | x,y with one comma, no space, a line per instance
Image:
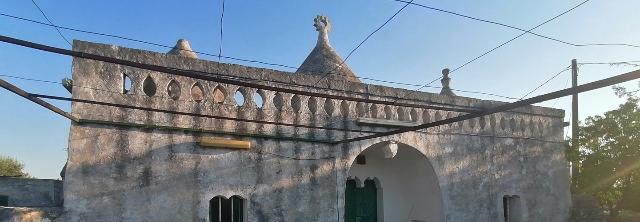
574,113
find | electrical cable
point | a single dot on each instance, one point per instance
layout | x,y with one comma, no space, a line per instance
221,32
516,28
50,22
545,82
363,41
505,43
246,60
93,102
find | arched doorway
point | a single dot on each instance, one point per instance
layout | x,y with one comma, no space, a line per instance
407,187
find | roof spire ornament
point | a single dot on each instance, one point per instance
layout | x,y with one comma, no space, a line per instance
323,26
323,59
446,90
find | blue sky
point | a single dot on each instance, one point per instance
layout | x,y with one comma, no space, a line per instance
413,48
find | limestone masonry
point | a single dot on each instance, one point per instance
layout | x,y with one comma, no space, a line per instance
134,165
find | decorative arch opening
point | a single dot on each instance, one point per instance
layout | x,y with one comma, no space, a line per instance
406,186
127,83
258,98
401,114
197,92
219,94
374,110
344,108
361,109
149,86
173,90
278,101
296,103
329,107
388,114
239,97
313,105
413,115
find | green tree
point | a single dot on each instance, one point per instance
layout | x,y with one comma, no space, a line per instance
11,167
608,157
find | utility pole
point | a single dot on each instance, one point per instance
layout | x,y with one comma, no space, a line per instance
574,113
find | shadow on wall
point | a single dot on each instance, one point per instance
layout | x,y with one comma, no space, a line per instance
156,175
160,175
408,188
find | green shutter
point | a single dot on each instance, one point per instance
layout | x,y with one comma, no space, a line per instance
4,200
350,201
361,203
237,205
214,209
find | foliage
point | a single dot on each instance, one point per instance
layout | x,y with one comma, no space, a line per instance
12,168
608,156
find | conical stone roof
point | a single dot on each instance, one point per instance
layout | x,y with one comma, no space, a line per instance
183,48
323,59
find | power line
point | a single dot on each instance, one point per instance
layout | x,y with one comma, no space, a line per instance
142,41
517,28
566,83
507,42
509,106
208,76
629,63
47,18
247,60
364,40
194,114
140,95
170,47
545,82
221,32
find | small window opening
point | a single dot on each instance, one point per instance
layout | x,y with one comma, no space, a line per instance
344,108
388,114
126,84
361,160
374,111
149,86
413,115
329,106
4,201
512,208
173,90
296,103
239,97
312,103
197,93
257,98
222,209
219,94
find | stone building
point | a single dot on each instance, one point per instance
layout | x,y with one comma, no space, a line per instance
138,165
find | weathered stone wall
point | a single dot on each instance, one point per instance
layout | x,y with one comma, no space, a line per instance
24,192
121,168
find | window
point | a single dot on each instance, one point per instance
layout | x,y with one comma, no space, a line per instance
222,209
4,201
512,208
126,84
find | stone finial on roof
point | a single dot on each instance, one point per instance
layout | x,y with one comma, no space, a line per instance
183,48
323,59
446,89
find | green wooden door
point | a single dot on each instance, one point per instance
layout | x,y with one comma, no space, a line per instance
361,203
